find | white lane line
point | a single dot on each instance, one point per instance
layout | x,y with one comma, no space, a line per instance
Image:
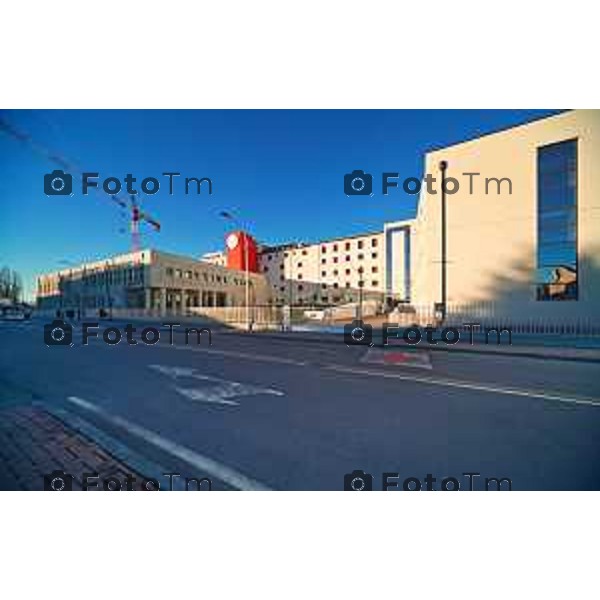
198,461
236,354
466,385
425,380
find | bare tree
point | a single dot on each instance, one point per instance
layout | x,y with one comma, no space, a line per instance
11,284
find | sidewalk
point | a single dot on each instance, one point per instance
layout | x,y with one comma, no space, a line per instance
36,447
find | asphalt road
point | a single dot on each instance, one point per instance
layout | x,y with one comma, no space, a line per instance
253,413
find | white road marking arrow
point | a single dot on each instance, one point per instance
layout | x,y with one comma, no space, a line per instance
221,392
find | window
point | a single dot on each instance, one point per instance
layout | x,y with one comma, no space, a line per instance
323,273
282,278
360,244
374,269
347,246
299,275
335,285
335,247
556,277
299,265
375,283
270,257
335,272
323,249
335,259
300,287
304,253
188,274
178,273
265,269
169,272
323,261
347,271
347,258
324,286
374,243
373,254
361,256
347,284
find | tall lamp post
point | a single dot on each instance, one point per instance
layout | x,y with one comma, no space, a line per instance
443,167
361,285
230,217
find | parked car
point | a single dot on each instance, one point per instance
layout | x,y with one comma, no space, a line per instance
15,312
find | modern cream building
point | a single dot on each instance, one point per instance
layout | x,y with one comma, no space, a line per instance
519,251
329,272
148,280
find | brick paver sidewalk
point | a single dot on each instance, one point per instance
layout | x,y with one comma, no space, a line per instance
34,444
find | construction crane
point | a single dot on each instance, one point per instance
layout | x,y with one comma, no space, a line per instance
132,207
136,215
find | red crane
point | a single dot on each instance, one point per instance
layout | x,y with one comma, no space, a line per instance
136,215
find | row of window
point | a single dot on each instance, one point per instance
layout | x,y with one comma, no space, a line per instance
374,269
116,276
359,257
207,277
360,244
324,286
265,268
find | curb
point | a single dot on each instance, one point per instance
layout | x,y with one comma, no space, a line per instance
525,352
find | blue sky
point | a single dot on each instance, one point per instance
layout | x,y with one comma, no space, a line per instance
280,171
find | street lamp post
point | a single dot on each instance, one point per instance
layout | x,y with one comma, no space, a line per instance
361,284
443,167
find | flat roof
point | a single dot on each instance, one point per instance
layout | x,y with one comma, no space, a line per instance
299,245
559,113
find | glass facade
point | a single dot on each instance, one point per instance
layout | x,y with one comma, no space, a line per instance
557,222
